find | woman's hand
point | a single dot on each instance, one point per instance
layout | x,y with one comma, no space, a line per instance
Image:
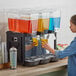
34,43
47,46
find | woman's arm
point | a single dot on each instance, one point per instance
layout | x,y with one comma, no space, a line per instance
70,50
46,46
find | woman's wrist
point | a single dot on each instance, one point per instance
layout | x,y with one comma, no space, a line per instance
51,50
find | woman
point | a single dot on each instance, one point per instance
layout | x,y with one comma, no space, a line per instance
70,51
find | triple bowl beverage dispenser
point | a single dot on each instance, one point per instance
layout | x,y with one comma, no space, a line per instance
24,29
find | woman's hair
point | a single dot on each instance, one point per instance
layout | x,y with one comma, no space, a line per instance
73,19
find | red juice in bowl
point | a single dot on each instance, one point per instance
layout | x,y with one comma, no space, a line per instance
29,27
22,26
11,24
12,19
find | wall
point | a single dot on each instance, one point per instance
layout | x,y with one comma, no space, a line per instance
68,8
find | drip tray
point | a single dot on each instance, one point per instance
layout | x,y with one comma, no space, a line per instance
46,58
32,61
41,59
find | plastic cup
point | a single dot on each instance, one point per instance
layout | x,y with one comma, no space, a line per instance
44,40
35,41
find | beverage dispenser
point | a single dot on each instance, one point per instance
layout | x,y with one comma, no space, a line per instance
24,29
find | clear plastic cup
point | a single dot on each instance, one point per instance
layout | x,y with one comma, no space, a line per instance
44,39
35,41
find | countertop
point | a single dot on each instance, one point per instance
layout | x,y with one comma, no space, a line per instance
36,70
